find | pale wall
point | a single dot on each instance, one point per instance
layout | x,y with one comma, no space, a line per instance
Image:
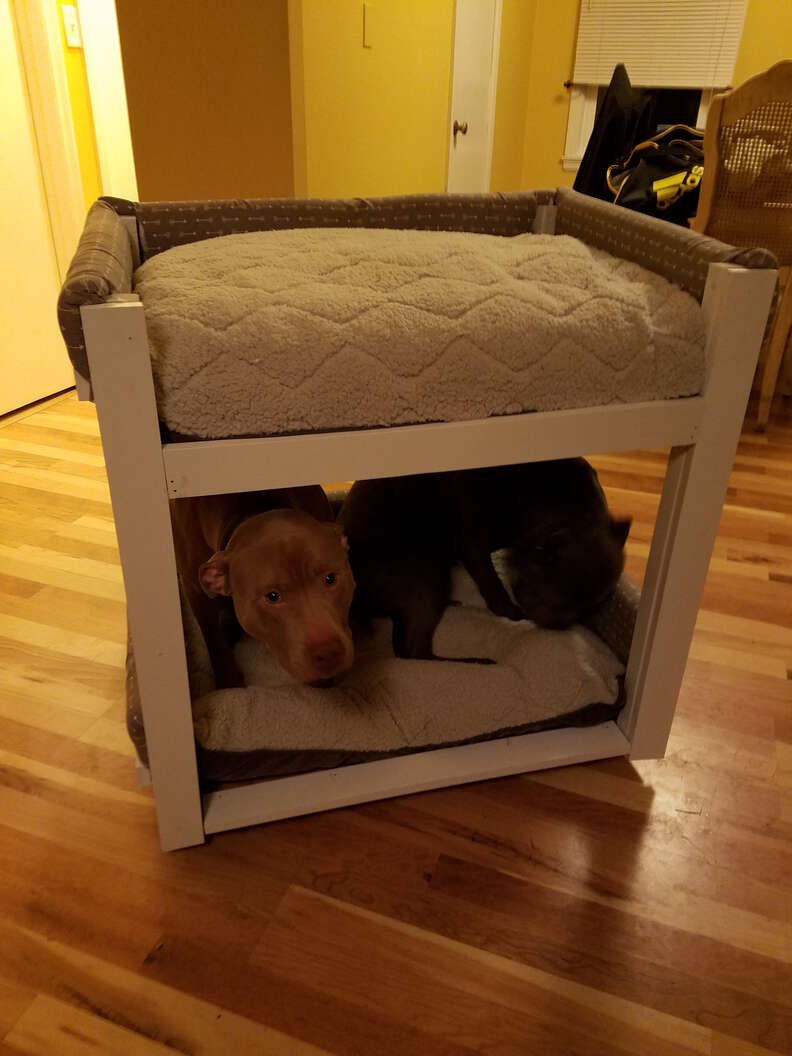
82,118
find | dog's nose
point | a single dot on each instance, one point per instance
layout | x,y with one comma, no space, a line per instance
328,654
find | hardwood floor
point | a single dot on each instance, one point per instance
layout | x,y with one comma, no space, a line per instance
606,908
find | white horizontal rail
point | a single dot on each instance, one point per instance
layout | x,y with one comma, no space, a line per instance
287,797
215,467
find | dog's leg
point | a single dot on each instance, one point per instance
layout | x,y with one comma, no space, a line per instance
413,630
418,605
479,565
415,623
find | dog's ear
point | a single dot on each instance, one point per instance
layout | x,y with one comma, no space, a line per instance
213,575
621,529
342,535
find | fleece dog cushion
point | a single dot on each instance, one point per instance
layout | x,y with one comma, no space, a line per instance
317,329
387,707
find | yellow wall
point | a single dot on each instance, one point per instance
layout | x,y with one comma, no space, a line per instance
297,87
547,103
375,119
537,49
766,39
82,118
208,94
366,121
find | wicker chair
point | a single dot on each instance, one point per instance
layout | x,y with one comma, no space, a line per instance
746,195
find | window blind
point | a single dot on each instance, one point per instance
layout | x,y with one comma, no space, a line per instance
663,43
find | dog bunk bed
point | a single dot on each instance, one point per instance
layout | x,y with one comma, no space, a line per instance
431,351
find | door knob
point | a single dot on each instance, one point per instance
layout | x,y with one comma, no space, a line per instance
463,127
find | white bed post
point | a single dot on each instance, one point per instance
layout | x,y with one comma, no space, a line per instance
118,354
736,304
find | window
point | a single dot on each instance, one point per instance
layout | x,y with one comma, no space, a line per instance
666,44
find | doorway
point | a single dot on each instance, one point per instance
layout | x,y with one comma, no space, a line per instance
32,357
474,87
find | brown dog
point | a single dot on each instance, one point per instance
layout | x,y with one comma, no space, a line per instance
277,562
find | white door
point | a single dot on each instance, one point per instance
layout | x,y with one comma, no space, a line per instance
476,46
33,358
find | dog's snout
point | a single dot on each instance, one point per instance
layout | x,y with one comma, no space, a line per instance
328,653
327,656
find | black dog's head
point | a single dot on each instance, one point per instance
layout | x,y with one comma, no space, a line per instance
562,571
569,552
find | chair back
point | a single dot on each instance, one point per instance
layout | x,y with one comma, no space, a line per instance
746,194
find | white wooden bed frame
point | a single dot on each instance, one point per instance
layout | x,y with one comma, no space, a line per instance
144,474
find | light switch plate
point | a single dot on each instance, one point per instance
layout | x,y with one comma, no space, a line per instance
368,25
71,25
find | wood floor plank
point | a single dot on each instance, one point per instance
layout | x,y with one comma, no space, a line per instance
43,779
153,1012
39,663
111,734
29,498
676,894
49,1026
55,480
37,462
52,573
54,607
137,914
14,999
723,1045
49,715
48,746
32,430
452,989
18,531
58,453
69,422
73,643
743,659
80,566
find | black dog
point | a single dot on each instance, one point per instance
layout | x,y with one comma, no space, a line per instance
565,551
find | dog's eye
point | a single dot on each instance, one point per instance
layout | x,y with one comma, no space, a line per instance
273,597
330,578
555,541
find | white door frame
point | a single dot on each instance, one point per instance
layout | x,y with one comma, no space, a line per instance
102,49
38,32
493,92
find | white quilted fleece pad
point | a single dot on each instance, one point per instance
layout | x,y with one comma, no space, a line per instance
387,705
319,329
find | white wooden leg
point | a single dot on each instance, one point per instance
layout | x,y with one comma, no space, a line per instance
83,386
117,346
736,304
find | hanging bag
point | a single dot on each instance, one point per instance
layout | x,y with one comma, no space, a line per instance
661,176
